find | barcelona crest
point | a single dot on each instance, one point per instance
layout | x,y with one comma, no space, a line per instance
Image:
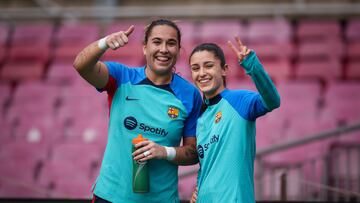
218,117
173,112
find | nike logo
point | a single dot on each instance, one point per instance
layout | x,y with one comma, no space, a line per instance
130,99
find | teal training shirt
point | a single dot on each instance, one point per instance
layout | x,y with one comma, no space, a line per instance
163,114
226,138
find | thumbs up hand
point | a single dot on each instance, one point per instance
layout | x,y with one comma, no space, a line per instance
119,39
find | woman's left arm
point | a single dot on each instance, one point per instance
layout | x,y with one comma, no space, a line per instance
249,61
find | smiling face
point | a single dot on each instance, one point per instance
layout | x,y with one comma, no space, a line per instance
207,73
161,49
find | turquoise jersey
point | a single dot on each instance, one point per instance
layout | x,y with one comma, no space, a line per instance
226,138
163,114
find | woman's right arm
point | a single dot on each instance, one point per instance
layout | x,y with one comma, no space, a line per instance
87,61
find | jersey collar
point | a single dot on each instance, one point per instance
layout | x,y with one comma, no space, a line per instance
214,100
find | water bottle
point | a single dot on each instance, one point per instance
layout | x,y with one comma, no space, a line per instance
140,177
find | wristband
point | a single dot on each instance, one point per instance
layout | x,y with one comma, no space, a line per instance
171,153
102,44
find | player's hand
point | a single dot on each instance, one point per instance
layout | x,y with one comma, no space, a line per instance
149,150
240,50
194,196
119,39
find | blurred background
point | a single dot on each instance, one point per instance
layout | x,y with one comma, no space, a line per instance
53,125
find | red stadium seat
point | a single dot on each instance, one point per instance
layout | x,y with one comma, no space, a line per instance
320,69
310,30
342,101
241,84
80,102
4,37
273,51
352,32
81,155
31,110
72,189
35,118
20,52
269,130
18,181
345,91
188,32
277,69
34,129
29,154
310,125
62,72
80,91
4,34
36,91
6,130
321,50
297,96
4,97
65,180
267,31
30,34
342,112
70,168
353,50
4,91
68,171
295,91
90,131
298,154
72,38
213,31
3,53
30,37
22,70
24,63
353,70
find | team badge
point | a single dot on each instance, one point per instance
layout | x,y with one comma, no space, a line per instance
218,117
173,112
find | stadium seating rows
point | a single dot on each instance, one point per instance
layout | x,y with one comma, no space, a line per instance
291,53
54,125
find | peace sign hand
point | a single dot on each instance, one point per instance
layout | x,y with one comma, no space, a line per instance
119,39
241,51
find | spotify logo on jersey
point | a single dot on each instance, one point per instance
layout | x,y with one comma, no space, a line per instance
200,150
130,123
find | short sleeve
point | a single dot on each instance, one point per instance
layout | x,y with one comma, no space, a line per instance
191,120
247,103
117,71
120,74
